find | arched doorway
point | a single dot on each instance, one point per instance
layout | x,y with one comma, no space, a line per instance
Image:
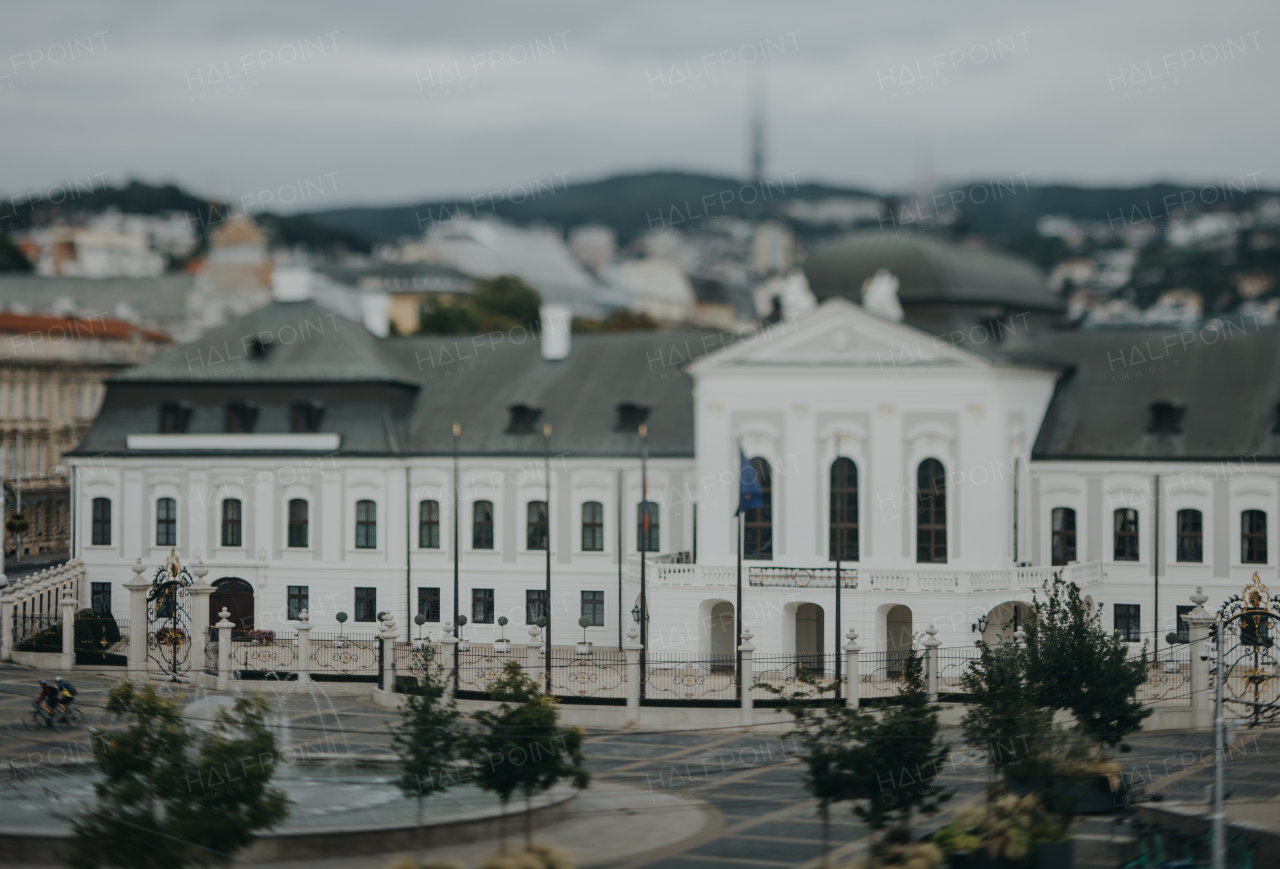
723,649
897,638
237,596
810,643
1004,620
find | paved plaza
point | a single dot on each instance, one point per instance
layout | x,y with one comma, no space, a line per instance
678,800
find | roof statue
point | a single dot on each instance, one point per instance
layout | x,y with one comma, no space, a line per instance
880,295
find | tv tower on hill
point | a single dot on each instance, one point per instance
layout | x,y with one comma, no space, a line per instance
756,97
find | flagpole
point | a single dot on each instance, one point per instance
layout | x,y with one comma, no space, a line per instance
644,547
546,462
737,610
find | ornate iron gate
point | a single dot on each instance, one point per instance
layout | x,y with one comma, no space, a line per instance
1250,625
169,621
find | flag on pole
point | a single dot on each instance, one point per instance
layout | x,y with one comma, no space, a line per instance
750,494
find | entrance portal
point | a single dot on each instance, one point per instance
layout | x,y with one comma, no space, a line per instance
237,596
810,645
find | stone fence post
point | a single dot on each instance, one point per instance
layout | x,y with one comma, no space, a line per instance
535,659
747,678
6,625
447,643
224,650
852,679
931,662
631,649
1198,622
200,621
138,588
68,605
389,634
304,646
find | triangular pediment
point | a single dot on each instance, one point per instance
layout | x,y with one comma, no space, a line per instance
840,333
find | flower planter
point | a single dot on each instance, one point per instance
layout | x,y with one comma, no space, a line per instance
502,647
1053,855
463,646
584,648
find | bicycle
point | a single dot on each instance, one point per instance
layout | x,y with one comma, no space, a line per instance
57,721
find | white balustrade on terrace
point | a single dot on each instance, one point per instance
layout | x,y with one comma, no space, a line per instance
54,583
663,573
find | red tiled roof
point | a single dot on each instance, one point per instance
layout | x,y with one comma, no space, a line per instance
60,328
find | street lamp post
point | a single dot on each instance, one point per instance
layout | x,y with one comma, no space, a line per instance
457,509
546,464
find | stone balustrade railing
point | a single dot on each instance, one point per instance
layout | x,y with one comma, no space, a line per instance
867,579
54,583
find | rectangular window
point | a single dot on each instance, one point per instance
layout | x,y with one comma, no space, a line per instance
429,525
366,525
102,598
1128,623
1184,630
647,541
174,417
482,525
231,522
166,522
1190,536
592,527
101,521
482,606
1064,535
429,603
366,605
1253,537
535,605
1126,534
593,607
536,529
299,523
299,600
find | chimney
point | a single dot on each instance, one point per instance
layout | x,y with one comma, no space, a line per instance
556,324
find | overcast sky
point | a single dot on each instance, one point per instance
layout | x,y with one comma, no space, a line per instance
1086,92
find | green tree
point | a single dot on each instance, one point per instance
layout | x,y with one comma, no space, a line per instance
1004,717
508,298
428,735
170,797
440,319
904,750
520,745
1074,664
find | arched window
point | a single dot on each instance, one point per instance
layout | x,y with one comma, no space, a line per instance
536,526
844,510
231,522
1190,536
166,522
1126,534
592,526
428,524
366,525
299,523
482,525
1064,535
101,521
931,513
1253,537
757,524
648,542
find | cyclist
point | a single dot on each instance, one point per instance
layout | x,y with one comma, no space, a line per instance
66,693
48,698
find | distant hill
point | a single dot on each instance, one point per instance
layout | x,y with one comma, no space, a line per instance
631,204
1002,210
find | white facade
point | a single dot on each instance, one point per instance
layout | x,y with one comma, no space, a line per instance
836,383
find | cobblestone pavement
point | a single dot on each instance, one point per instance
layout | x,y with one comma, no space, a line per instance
748,787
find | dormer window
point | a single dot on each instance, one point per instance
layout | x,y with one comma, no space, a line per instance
258,349
1166,418
241,417
305,416
175,416
631,416
524,419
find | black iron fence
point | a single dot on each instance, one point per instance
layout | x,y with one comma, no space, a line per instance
37,632
263,652
691,678
345,656
795,676
598,675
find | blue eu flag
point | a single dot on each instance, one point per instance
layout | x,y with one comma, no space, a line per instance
750,495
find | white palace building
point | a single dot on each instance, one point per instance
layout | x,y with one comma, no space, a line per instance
953,465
